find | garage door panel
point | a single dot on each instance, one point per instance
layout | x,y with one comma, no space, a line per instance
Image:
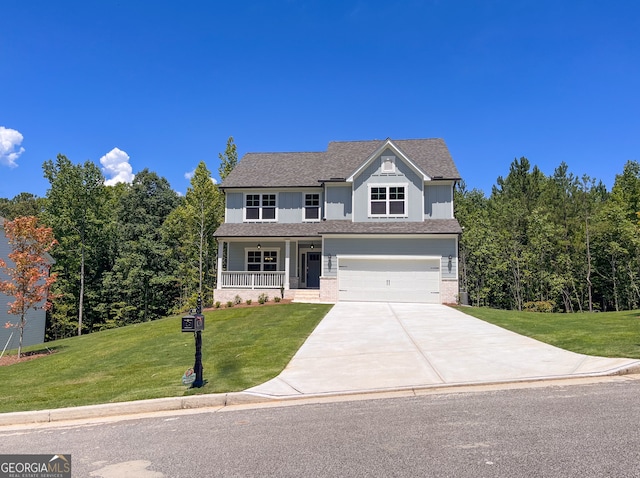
389,280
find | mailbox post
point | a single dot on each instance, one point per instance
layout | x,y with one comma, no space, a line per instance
195,323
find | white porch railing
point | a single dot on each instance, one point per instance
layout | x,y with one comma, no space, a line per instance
251,280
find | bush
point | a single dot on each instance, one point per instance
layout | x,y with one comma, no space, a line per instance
237,300
276,299
217,305
248,301
230,303
545,306
263,298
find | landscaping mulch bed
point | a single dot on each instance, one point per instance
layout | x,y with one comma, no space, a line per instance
13,358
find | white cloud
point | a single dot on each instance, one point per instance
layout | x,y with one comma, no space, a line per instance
189,174
115,165
10,140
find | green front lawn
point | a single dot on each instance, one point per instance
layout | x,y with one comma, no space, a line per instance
605,334
241,348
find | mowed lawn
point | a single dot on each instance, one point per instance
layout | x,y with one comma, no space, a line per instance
241,347
604,334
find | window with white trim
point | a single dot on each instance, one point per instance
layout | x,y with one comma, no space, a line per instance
388,201
260,207
312,207
262,260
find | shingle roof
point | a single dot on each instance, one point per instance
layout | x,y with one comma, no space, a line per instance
270,229
341,159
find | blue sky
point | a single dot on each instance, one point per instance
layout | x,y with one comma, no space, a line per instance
162,85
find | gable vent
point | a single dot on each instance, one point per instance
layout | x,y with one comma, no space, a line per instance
388,164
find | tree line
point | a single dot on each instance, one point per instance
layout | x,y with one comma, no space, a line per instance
126,253
551,243
136,252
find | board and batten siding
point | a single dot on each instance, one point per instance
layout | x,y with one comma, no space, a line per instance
419,246
338,203
373,174
290,205
235,202
438,201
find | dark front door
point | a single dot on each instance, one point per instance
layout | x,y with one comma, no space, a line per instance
313,270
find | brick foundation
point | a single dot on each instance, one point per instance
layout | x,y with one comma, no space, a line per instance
328,289
449,292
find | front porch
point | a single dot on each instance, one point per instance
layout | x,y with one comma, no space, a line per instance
268,264
251,280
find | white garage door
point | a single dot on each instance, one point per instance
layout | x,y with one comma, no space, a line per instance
389,278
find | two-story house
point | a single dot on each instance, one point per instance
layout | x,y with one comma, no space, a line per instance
362,221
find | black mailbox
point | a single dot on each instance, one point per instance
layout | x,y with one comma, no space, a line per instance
193,323
188,323
199,322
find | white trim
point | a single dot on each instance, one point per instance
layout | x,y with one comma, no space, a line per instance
304,207
389,257
261,195
405,186
287,261
261,249
387,161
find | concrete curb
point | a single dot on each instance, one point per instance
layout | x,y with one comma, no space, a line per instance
127,408
222,400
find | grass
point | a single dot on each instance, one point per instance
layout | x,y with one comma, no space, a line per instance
605,334
240,348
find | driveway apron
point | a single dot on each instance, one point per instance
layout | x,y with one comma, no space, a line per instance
369,346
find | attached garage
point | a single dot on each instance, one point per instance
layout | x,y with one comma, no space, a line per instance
389,278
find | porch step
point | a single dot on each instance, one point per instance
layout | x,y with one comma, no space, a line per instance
309,296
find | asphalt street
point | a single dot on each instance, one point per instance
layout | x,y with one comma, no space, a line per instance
558,430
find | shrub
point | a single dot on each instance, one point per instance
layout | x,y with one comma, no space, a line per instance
237,300
276,299
230,303
545,306
217,304
263,298
248,301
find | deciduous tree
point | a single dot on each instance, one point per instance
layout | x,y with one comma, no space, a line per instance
29,279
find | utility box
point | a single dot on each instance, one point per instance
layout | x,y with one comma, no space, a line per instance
193,323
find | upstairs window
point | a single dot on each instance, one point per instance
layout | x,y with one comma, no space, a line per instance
387,201
312,207
260,207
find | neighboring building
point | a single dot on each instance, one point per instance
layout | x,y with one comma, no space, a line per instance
36,319
363,221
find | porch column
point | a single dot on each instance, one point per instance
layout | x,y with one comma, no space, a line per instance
220,256
287,260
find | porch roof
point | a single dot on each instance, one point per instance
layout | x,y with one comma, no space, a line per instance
254,229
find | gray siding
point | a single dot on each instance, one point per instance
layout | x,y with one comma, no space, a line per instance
338,202
35,326
289,207
373,175
391,246
237,258
438,200
235,202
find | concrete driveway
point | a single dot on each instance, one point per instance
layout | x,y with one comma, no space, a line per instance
363,346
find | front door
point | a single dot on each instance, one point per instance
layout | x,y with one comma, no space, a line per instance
313,270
